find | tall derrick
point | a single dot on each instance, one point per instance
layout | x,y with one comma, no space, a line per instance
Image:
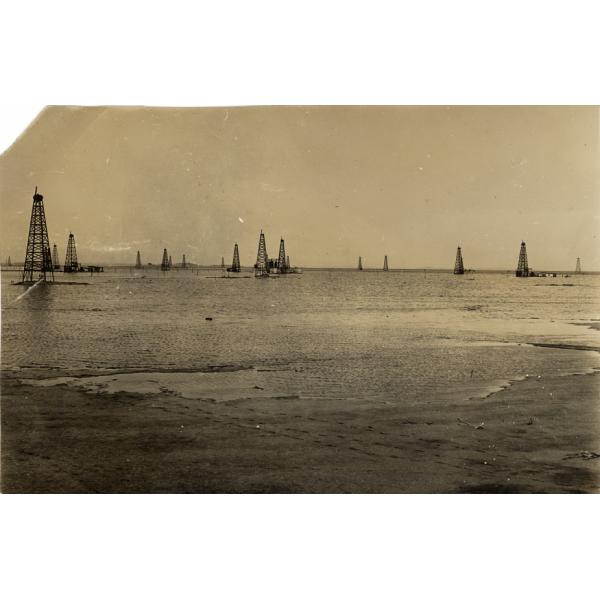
164,265
578,266
459,268
281,264
71,263
37,254
235,263
385,263
183,263
138,261
261,268
360,267
170,262
522,265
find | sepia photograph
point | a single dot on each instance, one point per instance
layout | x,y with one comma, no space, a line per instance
301,299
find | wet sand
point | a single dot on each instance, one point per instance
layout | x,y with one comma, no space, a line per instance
538,435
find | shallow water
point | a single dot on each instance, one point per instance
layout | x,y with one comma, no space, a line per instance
366,336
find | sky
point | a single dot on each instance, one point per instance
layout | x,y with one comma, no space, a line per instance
411,183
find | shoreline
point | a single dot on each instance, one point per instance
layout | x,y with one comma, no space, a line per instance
178,381
532,436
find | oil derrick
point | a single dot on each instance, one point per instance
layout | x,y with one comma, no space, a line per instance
235,263
281,265
360,263
222,262
55,261
522,266
164,265
138,261
578,266
37,255
261,268
170,262
183,263
459,268
287,262
8,262
71,264
385,263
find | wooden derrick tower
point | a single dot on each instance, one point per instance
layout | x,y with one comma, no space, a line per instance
459,268
261,268
281,262
235,263
164,265
55,261
522,265
71,263
38,260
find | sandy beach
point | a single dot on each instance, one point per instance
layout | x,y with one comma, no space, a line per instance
372,382
537,435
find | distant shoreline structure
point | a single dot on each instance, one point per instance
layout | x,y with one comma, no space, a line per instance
18,266
39,259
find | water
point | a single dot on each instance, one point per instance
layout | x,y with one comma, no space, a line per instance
359,336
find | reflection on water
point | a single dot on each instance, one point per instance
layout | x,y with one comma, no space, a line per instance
368,335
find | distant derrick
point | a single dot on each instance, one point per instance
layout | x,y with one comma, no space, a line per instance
183,263
9,262
287,263
522,266
459,268
164,265
37,254
261,267
138,261
360,267
281,262
170,262
578,266
235,263
55,261
71,262
385,263
222,262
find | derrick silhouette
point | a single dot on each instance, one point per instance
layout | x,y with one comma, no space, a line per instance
459,268
235,263
71,263
38,260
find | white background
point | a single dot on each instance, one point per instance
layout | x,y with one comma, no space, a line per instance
239,53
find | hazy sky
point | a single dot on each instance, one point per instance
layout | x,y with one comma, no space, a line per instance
335,182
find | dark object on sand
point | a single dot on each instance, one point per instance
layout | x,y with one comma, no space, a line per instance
585,454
